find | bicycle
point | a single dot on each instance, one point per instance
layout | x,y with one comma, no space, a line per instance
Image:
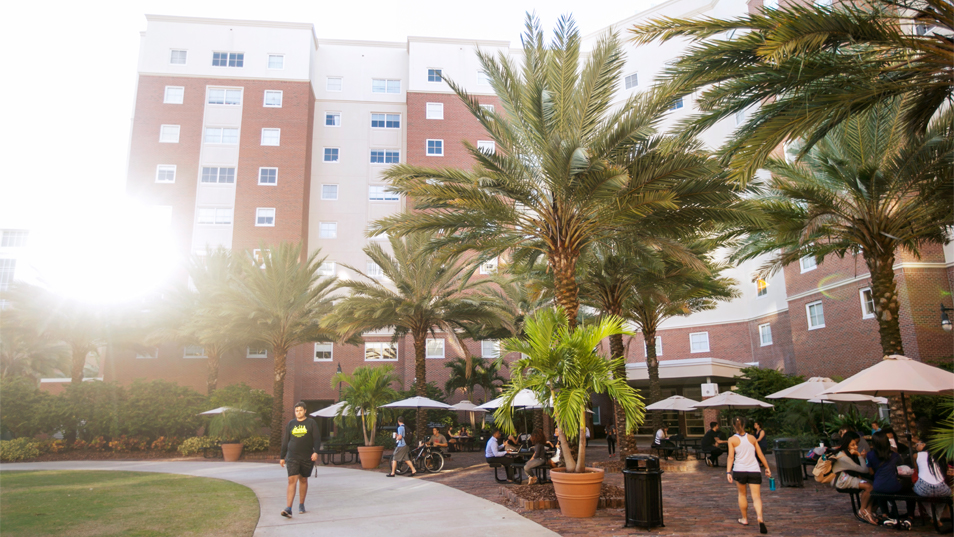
424,456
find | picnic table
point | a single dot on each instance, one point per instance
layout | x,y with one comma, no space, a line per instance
338,454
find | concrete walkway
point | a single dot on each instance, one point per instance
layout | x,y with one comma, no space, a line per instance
341,502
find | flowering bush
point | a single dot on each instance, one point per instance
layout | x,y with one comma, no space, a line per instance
51,445
166,443
256,443
18,450
191,446
97,444
133,443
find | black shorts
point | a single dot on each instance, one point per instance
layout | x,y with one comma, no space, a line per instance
747,478
299,467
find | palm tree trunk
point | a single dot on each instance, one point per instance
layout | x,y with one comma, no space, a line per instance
566,287
420,371
213,373
626,443
652,367
278,399
78,362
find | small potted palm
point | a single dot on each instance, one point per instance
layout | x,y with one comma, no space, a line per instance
233,425
563,367
365,390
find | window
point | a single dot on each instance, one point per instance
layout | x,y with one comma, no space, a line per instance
14,238
333,83
271,136
384,156
265,217
761,288
808,263
740,117
385,121
489,267
867,303
373,270
268,176
381,193
434,75
382,85
231,97
178,57
483,79
168,134
816,315
193,351
258,257
220,216
380,351
331,154
326,269
276,61
7,268
631,81
328,230
677,105
165,173
487,146
332,119
221,135
435,148
435,348
487,108
273,98
329,192
434,111
228,59
699,342
218,175
770,4
173,95
765,334
489,348
324,352
252,352
147,354
597,420
823,3
658,347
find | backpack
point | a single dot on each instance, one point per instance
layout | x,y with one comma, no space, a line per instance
822,471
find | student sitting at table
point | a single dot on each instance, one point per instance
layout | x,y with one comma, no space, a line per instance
494,453
555,459
662,442
438,440
883,462
511,443
851,471
539,457
711,442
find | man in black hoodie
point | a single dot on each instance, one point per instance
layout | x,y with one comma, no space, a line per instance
300,445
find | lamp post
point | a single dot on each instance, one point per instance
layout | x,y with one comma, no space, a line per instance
945,320
339,383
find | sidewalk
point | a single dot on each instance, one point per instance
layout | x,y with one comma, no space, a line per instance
340,501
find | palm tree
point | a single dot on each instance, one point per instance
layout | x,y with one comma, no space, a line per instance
466,375
25,353
806,69
367,389
416,294
867,188
571,167
281,301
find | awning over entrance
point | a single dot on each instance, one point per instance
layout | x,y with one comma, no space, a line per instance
687,372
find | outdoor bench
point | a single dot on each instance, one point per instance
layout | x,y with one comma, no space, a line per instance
517,471
855,495
937,504
326,455
542,473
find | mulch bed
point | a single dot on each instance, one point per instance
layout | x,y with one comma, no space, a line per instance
534,497
610,467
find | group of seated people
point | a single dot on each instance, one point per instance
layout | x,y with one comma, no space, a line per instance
458,437
503,452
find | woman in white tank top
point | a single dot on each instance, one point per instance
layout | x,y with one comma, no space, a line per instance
743,468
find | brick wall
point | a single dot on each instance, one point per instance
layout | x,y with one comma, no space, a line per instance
458,125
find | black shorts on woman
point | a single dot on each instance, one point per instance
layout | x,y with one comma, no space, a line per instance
747,478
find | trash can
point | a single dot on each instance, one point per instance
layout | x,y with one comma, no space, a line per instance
788,463
642,480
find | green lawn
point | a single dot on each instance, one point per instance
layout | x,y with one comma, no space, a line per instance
81,503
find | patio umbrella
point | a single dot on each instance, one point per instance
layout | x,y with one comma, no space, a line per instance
731,400
524,399
417,403
221,410
332,411
811,391
467,406
677,403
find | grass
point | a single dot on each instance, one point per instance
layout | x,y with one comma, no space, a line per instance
90,503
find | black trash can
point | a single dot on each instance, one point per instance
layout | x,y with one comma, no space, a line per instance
788,463
642,480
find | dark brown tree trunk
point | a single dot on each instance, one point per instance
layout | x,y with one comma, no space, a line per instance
624,445
278,400
567,289
213,373
652,367
79,353
538,419
420,371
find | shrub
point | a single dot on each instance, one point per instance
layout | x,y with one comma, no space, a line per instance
234,425
51,445
243,395
25,408
166,443
124,444
256,443
191,446
161,408
18,449
97,444
96,406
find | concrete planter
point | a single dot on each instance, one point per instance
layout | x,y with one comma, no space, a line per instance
578,493
232,452
370,456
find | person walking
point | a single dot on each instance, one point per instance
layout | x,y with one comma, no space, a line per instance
743,469
300,445
611,438
400,450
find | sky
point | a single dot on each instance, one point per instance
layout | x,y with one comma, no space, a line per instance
69,91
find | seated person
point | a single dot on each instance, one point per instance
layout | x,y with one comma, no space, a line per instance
452,441
494,453
711,442
884,462
511,443
930,483
437,440
851,470
555,459
896,446
662,442
862,443
539,455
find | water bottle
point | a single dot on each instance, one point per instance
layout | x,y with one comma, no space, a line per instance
771,483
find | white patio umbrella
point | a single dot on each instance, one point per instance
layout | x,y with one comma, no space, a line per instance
332,411
811,391
222,409
416,403
467,406
524,399
731,400
677,403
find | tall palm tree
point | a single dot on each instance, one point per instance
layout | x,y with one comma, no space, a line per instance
280,301
571,168
26,353
801,71
867,188
417,293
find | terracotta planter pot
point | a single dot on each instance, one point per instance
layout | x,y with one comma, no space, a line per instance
370,456
578,494
232,452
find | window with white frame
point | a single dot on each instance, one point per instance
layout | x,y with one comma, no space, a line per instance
381,193
166,173
193,351
329,192
380,351
212,174
487,146
435,148
385,156
815,312
327,268
259,256
659,347
221,135
14,238
487,108
434,75
271,136
328,230
218,216
256,352
489,348
385,121
332,119
597,417
765,334
273,98
147,354
373,270
770,4
823,3
276,61
230,97
228,59
740,117
324,352
489,266
808,263
434,111
178,57
631,81
330,154
268,176
435,348
168,134
8,268
385,85
761,287
483,79
867,303
173,95
699,342
677,104
333,83
265,217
